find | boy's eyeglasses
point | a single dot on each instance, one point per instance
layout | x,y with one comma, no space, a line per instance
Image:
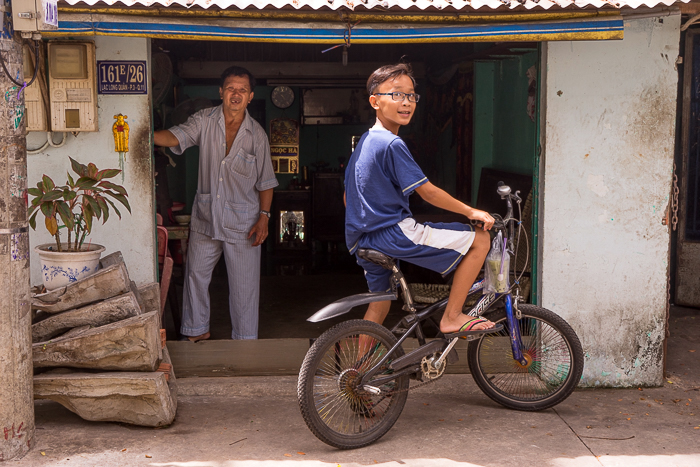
400,96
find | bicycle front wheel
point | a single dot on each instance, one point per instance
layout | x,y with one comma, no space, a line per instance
554,361
334,406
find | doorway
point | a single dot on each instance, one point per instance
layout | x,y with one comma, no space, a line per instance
475,125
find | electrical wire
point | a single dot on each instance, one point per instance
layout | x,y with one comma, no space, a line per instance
36,67
54,145
49,142
521,230
40,149
347,37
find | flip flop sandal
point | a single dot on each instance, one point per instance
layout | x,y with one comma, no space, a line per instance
466,329
195,339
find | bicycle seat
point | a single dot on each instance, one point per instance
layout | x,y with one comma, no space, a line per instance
376,257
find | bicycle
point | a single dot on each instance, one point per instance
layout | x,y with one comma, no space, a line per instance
354,381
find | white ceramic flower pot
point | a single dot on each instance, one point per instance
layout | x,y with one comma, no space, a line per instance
61,268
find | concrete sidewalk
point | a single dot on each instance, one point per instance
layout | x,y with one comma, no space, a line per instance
255,421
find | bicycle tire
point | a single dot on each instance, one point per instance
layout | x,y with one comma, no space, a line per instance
553,351
338,413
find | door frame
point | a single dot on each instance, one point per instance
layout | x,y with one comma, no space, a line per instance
682,169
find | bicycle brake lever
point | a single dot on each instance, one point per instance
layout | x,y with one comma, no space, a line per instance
498,222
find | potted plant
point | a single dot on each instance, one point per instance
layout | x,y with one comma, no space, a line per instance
73,208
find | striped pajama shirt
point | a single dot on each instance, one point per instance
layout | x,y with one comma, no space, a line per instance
226,207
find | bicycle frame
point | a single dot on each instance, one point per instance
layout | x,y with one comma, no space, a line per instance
413,326
411,322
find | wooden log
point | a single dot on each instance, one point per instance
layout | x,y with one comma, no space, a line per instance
102,285
131,344
111,260
74,332
137,398
95,315
150,294
137,294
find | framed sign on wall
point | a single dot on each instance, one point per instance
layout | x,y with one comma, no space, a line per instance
284,145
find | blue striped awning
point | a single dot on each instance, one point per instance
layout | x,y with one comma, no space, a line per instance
602,27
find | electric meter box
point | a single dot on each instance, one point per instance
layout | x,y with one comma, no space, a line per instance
34,15
72,86
35,109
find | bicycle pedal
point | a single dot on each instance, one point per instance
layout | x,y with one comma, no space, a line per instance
474,334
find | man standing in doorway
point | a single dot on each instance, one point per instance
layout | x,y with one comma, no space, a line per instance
231,209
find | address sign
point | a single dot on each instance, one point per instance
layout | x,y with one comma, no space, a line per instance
121,77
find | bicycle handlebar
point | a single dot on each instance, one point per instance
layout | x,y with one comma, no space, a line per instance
500,223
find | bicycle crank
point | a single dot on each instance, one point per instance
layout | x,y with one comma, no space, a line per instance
432,367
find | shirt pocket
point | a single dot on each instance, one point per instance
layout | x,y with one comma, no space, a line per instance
202,207
243,164
237,217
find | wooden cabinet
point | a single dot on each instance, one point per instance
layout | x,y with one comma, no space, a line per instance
328,210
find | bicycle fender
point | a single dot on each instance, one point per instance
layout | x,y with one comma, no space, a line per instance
342,306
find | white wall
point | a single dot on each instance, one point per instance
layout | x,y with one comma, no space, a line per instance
609,140
134,235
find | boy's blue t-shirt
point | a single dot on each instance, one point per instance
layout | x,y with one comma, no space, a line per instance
379,178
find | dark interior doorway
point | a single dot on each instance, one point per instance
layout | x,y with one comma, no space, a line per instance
475,122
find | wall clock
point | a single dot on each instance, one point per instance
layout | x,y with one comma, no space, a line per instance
282,97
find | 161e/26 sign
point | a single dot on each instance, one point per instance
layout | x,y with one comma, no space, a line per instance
121,77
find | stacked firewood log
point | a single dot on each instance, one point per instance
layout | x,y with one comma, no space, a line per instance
99,350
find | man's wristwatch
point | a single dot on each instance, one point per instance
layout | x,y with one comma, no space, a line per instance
267,213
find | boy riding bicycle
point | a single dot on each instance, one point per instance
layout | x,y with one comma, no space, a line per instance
379,178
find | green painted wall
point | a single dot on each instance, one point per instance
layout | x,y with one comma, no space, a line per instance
326,143
515,133
484,109
504,134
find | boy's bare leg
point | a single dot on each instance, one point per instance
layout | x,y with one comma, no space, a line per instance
377,311
465,275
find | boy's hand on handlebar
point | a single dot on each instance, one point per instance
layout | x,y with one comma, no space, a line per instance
482,218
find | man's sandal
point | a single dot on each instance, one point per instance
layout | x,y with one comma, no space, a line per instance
202,337
467,329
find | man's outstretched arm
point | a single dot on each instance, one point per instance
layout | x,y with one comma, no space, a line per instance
165,138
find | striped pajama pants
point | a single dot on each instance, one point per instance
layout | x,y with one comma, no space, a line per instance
243,269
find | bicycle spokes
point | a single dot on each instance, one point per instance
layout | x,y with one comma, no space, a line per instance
546,360
341,403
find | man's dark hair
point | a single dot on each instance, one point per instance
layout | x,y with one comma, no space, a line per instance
388,73
237,71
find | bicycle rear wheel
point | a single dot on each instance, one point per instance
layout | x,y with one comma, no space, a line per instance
554,361
334,407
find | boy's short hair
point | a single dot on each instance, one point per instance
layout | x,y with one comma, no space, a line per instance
237,71
387,73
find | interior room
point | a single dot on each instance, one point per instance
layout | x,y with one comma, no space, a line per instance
476,124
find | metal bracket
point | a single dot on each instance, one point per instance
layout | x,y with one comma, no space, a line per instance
516,300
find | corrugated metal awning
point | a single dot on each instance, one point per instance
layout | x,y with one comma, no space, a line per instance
276,21
461,5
